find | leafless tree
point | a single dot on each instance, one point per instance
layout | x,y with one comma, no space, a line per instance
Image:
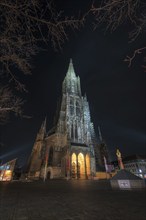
9,103
24,24
113,13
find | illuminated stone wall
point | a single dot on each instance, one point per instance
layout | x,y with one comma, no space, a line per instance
38,153
73,131
72,134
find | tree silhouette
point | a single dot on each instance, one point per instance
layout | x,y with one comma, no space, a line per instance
26,23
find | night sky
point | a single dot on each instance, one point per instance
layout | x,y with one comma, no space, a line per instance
116,93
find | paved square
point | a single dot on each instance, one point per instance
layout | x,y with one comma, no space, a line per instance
70,200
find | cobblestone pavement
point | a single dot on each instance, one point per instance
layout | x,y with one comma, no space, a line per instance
69,200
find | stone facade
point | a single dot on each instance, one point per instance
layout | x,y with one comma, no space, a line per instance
70,148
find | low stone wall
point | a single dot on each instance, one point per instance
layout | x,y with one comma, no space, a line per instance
51,173
104,175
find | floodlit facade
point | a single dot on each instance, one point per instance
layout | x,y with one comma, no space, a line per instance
70,148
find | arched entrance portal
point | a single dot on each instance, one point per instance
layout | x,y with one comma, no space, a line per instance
88,168
73,166
81,166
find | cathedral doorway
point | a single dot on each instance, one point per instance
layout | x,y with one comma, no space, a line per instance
48,175
81,166
88,168
73,166
79,171
73,172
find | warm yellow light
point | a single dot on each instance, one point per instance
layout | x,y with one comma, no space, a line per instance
88,164
81,165
7,175
74,165
73,159
8,172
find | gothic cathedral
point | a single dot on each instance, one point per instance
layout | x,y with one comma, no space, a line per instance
69,149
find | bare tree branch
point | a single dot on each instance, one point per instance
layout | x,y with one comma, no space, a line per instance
113,13
24,24
9,103
136,52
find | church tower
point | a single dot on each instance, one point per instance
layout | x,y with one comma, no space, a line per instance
74,118
38,152
69,149
70,143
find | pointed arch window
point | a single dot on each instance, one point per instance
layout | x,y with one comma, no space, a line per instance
71,110
72,131
76,132
78,108
72,102
50,159
77,104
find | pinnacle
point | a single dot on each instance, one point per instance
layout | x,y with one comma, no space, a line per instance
71,72
43,126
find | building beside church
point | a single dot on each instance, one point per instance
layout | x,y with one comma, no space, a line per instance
70,148
7,170
135,164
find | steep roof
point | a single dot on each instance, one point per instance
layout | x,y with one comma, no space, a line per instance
71,73
125,175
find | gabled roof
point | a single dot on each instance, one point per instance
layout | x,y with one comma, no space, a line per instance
125,175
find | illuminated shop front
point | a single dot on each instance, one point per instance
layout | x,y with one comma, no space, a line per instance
6,170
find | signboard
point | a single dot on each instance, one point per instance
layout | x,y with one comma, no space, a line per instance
124,184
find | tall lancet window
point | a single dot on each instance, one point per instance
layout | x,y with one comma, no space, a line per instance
72,87
71,110
77,109
78,112
50,159
72,131
79,134
76,132
71,106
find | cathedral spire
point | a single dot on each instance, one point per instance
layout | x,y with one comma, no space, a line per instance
44,123
43,126
71,83
42,131
71,72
